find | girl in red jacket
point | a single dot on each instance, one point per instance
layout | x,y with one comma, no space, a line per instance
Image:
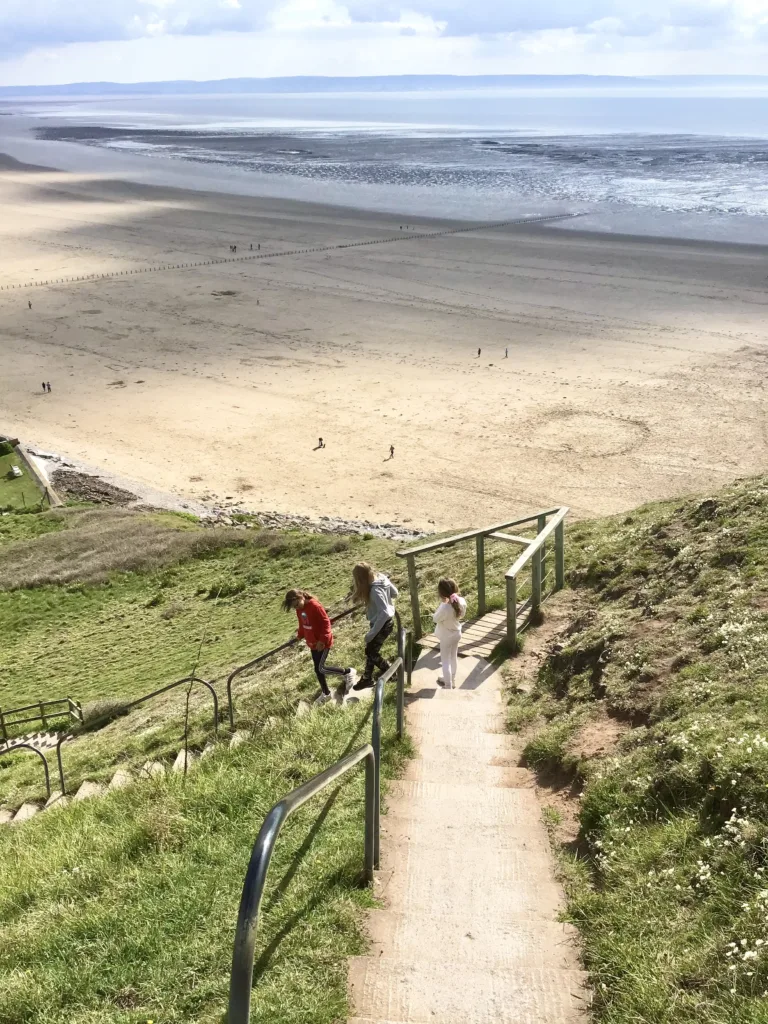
315,629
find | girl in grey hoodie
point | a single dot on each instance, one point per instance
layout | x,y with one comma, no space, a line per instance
377,592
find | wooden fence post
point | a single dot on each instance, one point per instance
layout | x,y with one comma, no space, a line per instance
480,541
540,525
512,613
536,585
42,715
414,588
560,556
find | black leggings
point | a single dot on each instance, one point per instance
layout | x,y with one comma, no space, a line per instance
373,658
318,660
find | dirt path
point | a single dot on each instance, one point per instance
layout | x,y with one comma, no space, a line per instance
469,932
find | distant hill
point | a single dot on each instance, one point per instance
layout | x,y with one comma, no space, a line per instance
387,83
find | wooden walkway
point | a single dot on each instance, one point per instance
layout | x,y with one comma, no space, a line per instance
479,637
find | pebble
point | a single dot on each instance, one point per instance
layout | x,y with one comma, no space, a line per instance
222,516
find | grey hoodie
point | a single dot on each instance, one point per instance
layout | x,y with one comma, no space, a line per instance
381,605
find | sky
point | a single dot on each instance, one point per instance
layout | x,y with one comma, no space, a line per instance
58,41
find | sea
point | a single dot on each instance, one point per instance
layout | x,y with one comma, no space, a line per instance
687,163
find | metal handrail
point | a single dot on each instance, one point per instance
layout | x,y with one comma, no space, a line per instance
397,666
241,979
172,686
40,754
105,719
263,657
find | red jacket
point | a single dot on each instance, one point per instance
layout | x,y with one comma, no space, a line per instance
314,624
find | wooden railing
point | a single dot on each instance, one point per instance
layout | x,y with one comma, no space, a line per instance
42,711
549,526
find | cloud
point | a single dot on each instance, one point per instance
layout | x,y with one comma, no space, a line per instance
30,24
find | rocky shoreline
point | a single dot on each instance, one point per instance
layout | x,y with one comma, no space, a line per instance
73,483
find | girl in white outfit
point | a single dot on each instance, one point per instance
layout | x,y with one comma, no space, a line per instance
451,610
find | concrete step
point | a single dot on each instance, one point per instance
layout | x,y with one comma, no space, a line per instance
425,890
422,689
450,865
88,790
447,834
191,757
385,989
464,802
25,812
151,770
121,778
439,766
56,799
462,743
513,944
447,726
6,816
454,704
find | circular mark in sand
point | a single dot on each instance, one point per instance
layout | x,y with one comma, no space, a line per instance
586,433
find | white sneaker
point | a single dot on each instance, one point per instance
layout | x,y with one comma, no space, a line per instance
349,679
322,698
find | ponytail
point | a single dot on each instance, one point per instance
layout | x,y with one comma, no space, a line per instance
448,589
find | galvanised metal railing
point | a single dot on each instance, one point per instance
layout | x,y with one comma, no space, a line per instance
28,746
241,981
105,719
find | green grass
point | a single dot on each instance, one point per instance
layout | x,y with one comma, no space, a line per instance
669,888
17,492
123,909
125,633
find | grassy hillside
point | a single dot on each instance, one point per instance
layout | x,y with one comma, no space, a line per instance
122,909
654,710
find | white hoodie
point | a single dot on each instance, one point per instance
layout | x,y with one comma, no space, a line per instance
446,623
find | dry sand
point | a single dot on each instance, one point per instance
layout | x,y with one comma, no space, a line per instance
636,367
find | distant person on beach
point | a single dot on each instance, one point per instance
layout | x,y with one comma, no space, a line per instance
320,443
48,385
506,353
316,631
377,592
447,619
30,303
43,385
251,246
391,451
478,352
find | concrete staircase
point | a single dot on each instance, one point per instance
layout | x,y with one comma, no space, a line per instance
122,777
469,933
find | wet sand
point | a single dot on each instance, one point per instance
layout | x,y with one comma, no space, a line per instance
636,367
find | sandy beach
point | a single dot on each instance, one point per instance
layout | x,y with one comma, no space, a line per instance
636,367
